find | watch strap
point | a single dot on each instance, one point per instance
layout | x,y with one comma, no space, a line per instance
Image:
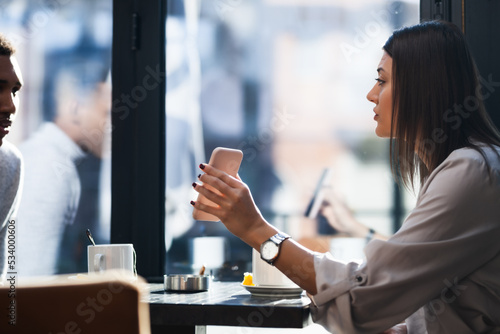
278,238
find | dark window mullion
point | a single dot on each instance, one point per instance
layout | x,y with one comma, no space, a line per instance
138,170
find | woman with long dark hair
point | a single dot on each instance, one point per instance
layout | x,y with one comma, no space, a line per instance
439,272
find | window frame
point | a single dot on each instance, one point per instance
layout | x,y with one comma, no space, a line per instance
138,136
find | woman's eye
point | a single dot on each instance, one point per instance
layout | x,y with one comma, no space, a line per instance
380,81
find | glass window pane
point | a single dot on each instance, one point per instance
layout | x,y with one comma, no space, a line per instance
285,82
62,129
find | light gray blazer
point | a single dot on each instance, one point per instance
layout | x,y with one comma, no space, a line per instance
442,267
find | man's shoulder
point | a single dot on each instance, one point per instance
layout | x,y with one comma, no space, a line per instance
48,143
10,156
10,166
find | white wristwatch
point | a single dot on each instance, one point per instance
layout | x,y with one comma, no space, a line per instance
270,249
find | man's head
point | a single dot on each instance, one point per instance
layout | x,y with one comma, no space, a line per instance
10,84
83,104
6,48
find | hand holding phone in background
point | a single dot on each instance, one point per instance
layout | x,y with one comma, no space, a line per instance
341,218
319,194
326,204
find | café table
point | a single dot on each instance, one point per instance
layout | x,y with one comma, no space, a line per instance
224,304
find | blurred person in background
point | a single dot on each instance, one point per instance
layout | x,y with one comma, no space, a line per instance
10,158
52,185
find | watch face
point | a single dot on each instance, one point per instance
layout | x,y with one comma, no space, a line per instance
269,250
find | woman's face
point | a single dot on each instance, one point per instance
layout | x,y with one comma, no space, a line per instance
381,95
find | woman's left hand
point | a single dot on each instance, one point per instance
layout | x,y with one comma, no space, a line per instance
235,206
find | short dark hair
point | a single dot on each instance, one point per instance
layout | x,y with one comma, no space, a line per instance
6,47
434,78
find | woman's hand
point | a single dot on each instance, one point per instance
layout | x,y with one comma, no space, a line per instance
237,211
235,206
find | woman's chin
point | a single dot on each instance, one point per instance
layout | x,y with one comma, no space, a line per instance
381,133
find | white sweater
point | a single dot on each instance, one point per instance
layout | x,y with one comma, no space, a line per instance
51,193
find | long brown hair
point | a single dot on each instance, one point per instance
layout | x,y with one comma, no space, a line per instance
437,99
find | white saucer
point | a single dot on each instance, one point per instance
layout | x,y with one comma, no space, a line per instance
274,291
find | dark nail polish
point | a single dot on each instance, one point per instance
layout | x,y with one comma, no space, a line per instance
202,166
194,184
199,175
192,203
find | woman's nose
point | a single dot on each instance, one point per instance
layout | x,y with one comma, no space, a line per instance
372,95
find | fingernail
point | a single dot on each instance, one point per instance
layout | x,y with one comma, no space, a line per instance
202,166
199,175
194,184
192,203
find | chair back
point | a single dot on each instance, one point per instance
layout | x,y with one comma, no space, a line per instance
97,304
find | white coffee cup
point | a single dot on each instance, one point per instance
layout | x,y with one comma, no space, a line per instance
111,256
348,249
209,252
266,275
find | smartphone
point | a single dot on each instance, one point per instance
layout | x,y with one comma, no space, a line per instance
227,160
319,194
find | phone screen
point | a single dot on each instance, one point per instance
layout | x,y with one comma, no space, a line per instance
318,196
